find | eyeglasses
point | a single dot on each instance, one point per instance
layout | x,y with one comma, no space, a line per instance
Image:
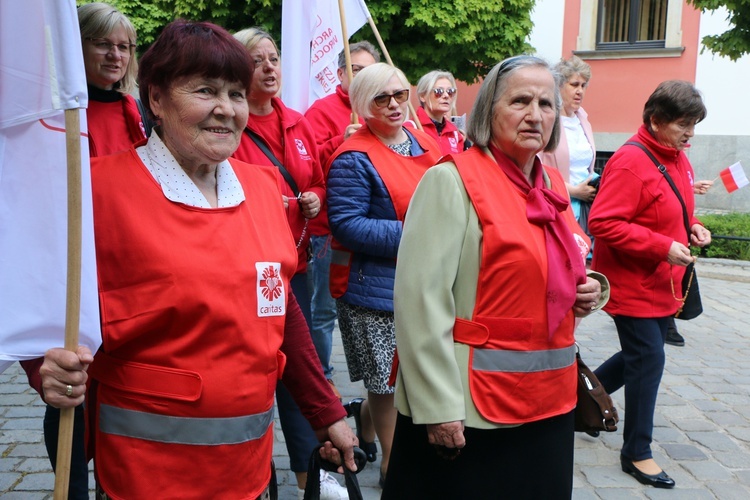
104,46
451,91
384,100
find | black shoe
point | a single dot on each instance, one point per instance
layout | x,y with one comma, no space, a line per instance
660,480
354,409
674,338
593,434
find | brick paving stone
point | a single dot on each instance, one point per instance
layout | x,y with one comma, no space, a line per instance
733,460
714,441
25,411
681,452
726,491
707,471
7,480
40,481
29,450
34,465
741,433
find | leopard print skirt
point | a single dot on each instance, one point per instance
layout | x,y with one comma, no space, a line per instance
369,339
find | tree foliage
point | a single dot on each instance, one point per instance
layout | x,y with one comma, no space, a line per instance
735,42
465,37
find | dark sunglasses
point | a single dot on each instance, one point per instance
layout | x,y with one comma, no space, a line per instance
384,100
451,91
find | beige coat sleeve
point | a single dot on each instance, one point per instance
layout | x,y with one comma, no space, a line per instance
430,387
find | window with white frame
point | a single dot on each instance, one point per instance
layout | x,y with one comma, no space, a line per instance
630,28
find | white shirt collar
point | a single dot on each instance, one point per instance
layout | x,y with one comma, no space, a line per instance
178,187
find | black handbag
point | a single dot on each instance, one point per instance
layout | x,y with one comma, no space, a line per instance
691,305
595,410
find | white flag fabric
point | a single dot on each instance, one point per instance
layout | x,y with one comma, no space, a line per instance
37,83
311,40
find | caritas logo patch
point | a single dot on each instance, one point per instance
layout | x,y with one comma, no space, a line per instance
303,154
270,289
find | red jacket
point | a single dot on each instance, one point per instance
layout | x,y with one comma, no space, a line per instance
329,116
300,159
113,126
450,139
509,323
634,219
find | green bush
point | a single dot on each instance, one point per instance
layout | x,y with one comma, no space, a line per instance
732,224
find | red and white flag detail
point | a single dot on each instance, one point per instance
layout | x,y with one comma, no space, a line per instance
310,45
37,83
734,177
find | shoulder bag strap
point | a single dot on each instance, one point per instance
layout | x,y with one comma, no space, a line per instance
663,170
266,151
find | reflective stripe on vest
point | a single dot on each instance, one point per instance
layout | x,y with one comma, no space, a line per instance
183,430
494,360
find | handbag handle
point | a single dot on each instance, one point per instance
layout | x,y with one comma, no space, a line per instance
663,170
312,488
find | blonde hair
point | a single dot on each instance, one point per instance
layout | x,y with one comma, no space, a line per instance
99,20
428,81
369,84
250,37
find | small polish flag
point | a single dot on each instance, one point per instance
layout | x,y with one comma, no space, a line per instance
734,177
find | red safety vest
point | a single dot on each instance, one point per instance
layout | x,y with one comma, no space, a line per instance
517,374
399,173
192,303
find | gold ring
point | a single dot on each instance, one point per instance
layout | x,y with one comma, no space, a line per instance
68,390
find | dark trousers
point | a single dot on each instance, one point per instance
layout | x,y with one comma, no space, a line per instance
298,434
639,367
531,461
78,487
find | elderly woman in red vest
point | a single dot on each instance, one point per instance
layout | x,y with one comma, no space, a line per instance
370,182
194,258
490,278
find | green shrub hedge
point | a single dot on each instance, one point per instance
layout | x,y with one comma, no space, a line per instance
732,224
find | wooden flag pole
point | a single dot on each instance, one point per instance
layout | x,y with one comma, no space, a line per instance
73,295
347,54
388,59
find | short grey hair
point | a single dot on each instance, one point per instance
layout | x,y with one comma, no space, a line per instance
99,20
428,81
363,46
370,83
479,127
567,68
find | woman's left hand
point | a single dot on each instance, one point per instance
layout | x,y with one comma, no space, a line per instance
310,204
700,236
340,440
587,297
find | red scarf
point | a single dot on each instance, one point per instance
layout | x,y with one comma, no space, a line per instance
544,207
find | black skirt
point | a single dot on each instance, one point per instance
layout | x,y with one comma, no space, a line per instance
530,461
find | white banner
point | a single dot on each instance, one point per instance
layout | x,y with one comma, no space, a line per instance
311,40
41,74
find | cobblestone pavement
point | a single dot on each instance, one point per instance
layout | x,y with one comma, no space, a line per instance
702,424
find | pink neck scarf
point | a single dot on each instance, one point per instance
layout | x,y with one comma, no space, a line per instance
544,207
